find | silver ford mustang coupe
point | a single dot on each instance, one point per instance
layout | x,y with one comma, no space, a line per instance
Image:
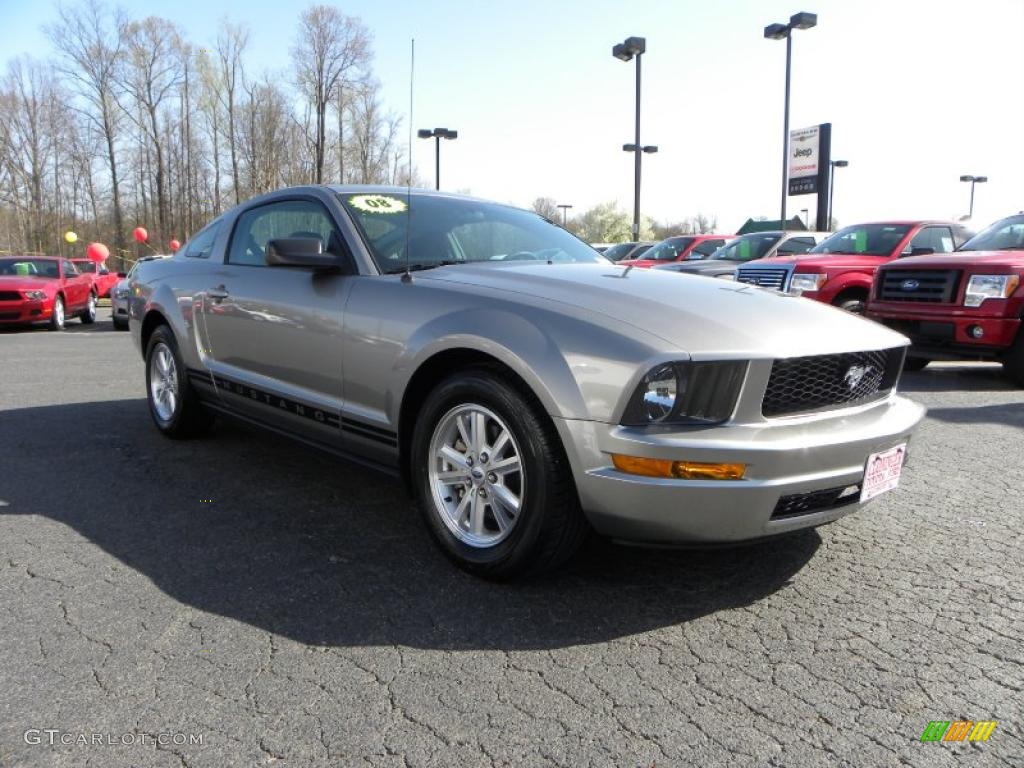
527,389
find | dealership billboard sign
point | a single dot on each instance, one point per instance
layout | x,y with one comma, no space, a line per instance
809,155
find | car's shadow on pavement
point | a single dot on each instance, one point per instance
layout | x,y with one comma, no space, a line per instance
256,529
957,378
103,324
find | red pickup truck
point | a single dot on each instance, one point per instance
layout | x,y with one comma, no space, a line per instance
102,278
840,269
968,305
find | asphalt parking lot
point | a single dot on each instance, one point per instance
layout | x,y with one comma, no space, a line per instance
291,610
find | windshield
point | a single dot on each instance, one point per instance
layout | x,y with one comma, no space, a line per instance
669,250
748,247
619,252
1005,235
21,267
446,230
868,239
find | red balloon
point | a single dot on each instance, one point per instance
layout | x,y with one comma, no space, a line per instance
174,245
97,252
140,234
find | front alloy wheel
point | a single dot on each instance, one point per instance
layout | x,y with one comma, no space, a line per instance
163,382
173,403
57,316
476,475
88,317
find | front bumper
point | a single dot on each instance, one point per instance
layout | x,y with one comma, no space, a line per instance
27,311
948,335
784,458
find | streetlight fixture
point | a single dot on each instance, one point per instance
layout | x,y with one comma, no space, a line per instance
974,180
784,32
832,185
437,134
630,48
565,207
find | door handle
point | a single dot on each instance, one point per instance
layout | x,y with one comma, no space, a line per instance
218,294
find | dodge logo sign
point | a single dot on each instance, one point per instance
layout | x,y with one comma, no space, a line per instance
855,374
910,285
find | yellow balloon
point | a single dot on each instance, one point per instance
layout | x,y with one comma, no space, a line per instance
70,237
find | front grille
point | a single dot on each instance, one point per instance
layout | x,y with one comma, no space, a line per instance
797,504
10,296
932,286
802,384
766,277
9,315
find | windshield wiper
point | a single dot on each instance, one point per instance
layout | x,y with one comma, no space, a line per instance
419,267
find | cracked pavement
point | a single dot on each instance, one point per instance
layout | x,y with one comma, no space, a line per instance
302,617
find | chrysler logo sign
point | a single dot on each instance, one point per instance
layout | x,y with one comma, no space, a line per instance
910,285
855,374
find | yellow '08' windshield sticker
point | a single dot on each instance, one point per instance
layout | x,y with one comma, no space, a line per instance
377,204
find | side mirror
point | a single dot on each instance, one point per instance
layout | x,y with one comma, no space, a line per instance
300,252
921,251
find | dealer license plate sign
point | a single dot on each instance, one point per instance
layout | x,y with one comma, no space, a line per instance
882,472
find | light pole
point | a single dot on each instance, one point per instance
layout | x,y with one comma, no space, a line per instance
807,217
780,32
832,184
437,134
630,48
974,180
565,207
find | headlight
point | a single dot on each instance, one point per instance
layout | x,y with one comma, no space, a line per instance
686,393
35,295
981,287
802,282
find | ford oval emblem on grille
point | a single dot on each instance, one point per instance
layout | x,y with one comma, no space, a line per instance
854,375
910,285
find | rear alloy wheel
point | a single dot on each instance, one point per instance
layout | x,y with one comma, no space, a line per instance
173,404
492,480
57,316
88,317
916,364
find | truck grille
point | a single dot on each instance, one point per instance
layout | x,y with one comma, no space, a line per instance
803,384
766,277
10,296
933,286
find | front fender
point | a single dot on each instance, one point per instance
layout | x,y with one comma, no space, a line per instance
845,281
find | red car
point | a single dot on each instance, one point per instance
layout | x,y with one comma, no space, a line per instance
965,306
840,269
102,277
34,289
681,248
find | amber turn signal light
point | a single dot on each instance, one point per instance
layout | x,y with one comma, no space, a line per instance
683,470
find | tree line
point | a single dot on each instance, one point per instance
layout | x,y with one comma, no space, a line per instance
129,123
607,223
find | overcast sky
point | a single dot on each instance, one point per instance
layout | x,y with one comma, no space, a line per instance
918,92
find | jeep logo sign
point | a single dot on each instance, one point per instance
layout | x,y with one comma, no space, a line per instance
805,160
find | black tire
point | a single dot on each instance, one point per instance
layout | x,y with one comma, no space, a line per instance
916,364
856,306
57,317
550,526
119,324
1013,361
88,316
188,418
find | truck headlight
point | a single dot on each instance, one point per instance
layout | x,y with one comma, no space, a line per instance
981,287
807,281
35,295
686,393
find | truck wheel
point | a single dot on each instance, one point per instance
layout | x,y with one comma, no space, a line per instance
57,316
88,316
916,363
173,403
492,480
1013,361
856,306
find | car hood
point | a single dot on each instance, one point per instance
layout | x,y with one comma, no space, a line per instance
705,317
1014,259
24,283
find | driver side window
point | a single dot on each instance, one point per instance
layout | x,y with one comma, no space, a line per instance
289,218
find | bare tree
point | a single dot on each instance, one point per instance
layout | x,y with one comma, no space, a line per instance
330,50
231,44
547,208
89,44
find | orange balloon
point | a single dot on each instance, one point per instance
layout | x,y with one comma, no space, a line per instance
140,234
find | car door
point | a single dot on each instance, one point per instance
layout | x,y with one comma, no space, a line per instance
273,334
76,287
